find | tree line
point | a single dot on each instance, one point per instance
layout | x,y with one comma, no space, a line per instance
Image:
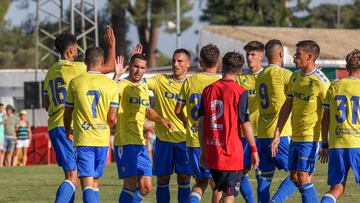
17,48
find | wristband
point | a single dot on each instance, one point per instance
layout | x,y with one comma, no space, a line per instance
324,145
253,149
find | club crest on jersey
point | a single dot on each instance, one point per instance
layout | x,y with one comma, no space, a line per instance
85,125
169,82
293,80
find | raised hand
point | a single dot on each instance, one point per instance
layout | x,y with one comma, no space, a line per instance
138,49
119,65
109,36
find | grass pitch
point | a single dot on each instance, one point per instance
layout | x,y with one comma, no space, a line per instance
39,184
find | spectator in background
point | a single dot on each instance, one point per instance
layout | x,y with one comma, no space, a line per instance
10,138
23,137
2,137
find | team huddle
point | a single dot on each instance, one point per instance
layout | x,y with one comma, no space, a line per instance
214,129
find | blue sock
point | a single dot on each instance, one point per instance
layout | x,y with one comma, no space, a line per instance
126,195
138,196
65,192
97,194
89,195
183,191
162,193
194,197
308,193
263,189
328,198
286,188
246,189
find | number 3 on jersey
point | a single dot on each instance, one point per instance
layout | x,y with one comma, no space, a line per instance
217,109
96,95
344,105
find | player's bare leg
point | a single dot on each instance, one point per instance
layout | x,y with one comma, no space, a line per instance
2,156
89,193
216,195
227,198
335,192
199,188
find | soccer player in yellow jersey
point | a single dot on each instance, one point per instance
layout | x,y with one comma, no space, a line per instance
306,91
170,146
92,102
342,124
254,56
55,89
132,158
271,87
190,97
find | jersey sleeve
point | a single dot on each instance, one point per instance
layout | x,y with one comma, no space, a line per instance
326,102
289,92
151,82
243,108
182,96
69,102
286,78
323,90
115,97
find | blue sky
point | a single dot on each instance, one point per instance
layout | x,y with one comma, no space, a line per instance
188,39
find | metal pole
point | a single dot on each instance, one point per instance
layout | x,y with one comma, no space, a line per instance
338,15
96,25
72,17
178,33
37,40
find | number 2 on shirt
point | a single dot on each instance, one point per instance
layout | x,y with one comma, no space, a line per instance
96,95
196,100
217,106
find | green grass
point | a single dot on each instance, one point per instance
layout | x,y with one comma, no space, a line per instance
39,184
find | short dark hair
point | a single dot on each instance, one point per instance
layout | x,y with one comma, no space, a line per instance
232,62
93,56
63,41
138,56
1,104
254,46
209,55
182,51
9,107
309,46
271,47
353,61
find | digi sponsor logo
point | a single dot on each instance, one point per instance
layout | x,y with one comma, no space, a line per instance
134,100
251,92
171,95
302,96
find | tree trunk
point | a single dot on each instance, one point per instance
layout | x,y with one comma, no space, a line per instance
153,44
118,20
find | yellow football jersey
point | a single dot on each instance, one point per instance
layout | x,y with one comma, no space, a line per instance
190,96
91,94
134,99
343,101
55,86
247,80
271,88
308,92
166,90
